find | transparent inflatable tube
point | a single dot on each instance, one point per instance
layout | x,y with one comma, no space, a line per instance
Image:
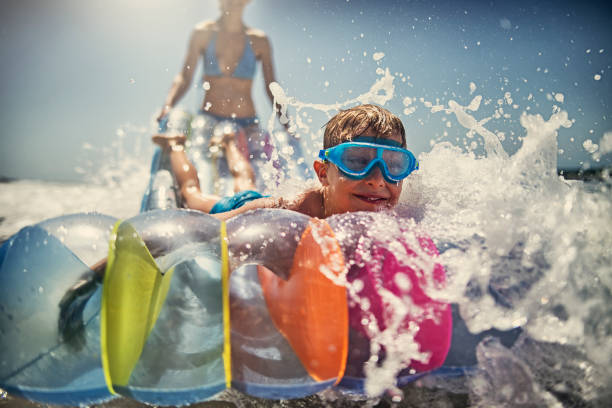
166,301
199,329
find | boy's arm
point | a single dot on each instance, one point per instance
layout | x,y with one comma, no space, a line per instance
310,203
265,202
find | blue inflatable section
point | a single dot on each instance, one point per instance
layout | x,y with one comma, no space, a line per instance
49,352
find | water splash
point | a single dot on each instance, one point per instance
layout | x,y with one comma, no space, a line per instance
381,92
505,380
115,178
522,248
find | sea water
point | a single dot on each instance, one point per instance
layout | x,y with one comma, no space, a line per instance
522,247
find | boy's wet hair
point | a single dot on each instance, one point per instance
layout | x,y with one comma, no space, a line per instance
350,123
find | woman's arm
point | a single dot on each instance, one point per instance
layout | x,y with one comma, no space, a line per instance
181,83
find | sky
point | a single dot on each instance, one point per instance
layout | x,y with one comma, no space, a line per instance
74,72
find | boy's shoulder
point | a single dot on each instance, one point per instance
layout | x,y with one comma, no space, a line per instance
309,202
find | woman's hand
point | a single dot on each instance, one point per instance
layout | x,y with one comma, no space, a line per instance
163,112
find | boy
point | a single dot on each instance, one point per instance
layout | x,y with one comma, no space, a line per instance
361,168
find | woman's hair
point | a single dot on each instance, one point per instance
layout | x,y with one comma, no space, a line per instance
349,123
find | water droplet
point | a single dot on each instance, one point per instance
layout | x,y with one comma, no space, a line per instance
377,56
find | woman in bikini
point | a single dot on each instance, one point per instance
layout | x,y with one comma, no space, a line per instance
230,51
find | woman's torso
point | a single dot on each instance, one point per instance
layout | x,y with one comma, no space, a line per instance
228,94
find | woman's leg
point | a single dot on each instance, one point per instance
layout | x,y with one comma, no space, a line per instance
185,172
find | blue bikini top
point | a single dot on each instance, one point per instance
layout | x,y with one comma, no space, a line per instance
246,65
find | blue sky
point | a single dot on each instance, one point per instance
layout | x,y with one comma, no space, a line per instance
76,71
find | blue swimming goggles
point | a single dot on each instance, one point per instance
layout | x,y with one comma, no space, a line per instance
356,159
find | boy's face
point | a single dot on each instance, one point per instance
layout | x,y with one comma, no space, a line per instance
344,194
